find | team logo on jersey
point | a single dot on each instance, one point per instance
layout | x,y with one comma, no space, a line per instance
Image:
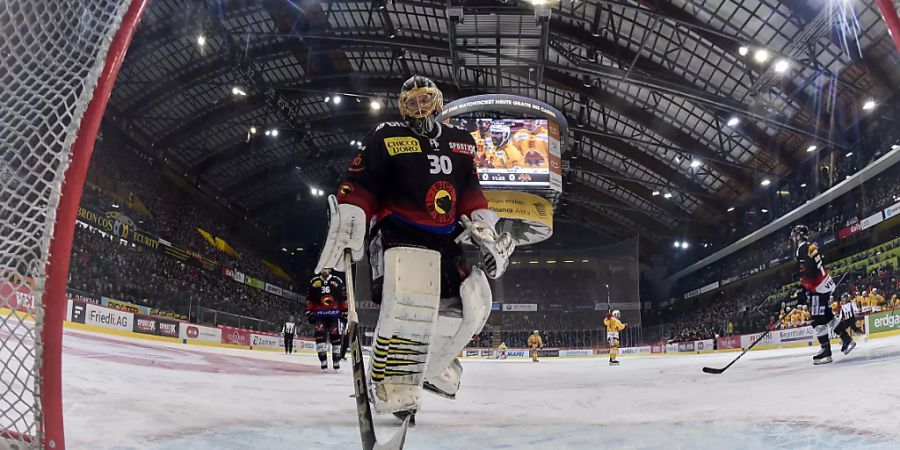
327,301
463,148
402,145
441,202
317,284
345,190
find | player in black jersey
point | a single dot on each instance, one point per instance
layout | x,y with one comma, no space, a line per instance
326,304
415,182
819,287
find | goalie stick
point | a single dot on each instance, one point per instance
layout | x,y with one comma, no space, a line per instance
716,371
363,408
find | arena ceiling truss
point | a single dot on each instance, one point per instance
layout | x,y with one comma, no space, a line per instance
672,121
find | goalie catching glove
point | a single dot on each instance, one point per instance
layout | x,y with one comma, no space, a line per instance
346,230
495,248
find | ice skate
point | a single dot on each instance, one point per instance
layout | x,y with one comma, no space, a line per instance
848,347
402,415
613,362
823,357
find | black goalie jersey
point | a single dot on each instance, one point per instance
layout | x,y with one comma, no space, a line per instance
424,183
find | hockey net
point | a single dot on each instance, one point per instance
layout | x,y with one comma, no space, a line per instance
58,60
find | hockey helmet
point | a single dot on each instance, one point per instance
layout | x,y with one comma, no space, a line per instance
800,233
617,314
499,134
420,102
536,332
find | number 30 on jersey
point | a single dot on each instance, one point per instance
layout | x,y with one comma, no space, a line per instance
440,164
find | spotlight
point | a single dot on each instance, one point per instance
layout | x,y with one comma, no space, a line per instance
375,104
313,191
765,182
811,148
743,50
733,121
782,66
685,245
849,154
695,163
869,104
730,209
201,40
274,132
327,99
677,244
803,185
761,55
238,92
667,195
252,130
336,99
268,132
655,193
764,210
353,142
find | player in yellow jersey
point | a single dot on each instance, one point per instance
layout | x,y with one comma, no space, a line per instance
535,342
613,327
505,155
501,351
481,135
533,142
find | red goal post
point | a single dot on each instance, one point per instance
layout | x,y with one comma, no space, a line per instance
59,62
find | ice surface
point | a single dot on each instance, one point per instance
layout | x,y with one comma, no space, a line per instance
122,393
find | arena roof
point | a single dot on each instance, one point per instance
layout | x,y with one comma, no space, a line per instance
676,113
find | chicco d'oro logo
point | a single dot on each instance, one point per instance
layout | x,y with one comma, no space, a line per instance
441,202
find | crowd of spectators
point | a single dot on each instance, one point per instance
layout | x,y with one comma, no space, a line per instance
170,212
873,196
106,266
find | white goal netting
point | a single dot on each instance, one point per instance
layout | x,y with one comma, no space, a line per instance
52,54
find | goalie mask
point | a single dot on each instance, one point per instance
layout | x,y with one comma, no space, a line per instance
420,103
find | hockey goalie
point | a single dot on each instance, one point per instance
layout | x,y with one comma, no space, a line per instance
414,183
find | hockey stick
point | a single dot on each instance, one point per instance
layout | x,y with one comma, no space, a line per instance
760,338
363,408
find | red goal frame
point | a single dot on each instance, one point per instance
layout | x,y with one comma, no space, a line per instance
54,300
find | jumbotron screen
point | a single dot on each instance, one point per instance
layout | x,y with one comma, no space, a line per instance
514,152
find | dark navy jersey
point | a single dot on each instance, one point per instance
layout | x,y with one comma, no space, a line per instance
813,275
426,183
326,296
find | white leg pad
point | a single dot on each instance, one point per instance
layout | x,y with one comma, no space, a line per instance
409,309
453,333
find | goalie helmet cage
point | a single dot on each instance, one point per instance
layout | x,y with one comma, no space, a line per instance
58,63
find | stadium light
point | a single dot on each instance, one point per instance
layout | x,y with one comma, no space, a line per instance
375,105
252,130
327,99
551,261
283,249
667,195
730,209
764,210
273,132
584,260
733,121
268,132
677,244
811,148
313,191
743,50
849,154
655,193
201,40
869,104
238,92
695,163
685,245
782,66
765,182
761,55
353,142
336,99
569,261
